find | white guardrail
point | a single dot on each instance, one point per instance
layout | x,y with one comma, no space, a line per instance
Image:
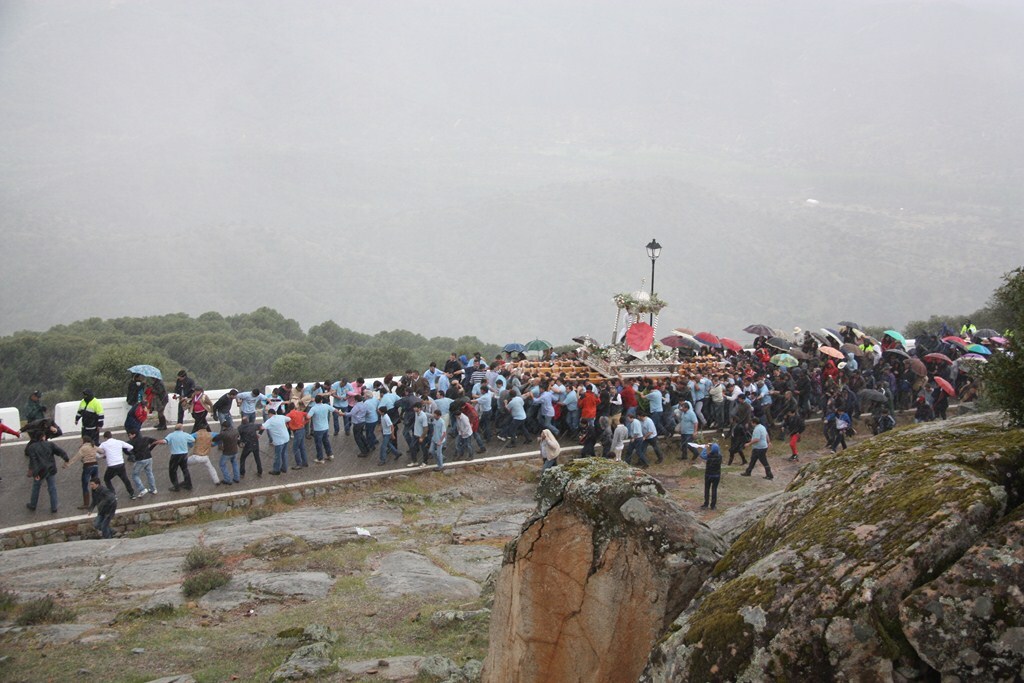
115,410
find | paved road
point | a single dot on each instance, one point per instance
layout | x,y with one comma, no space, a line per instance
16,487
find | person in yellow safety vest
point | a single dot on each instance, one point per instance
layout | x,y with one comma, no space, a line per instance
968,329
90,412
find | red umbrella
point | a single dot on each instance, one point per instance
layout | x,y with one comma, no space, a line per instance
674,341
917,367
939,358
708,338
731,344
640,336
946,386
955,340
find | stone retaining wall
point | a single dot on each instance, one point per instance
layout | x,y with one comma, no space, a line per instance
169,513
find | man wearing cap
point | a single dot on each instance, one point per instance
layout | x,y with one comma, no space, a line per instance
34,409
90,414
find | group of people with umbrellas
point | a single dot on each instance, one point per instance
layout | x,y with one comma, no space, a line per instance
843,371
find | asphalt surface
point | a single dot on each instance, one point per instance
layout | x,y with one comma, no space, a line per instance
16,486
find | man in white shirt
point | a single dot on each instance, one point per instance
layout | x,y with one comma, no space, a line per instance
113,450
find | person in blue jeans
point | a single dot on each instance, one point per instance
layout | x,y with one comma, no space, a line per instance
438,436
43,467
277,427
760,441
320,422
549,449
387,446
105,502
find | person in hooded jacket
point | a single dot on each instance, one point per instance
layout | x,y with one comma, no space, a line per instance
42,467
712,455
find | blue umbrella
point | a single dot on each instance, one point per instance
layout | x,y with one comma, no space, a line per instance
514,347
146,371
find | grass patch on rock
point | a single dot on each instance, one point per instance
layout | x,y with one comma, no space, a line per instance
202,582
43,610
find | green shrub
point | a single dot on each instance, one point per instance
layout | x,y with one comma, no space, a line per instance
43,611
202,582
202,557
1004,374
258,513
8,600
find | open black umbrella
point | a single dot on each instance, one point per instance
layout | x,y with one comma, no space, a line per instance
985,333
898,352
759,330
779,343
847,323
871,396
852,348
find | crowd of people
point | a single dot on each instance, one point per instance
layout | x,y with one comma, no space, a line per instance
472,404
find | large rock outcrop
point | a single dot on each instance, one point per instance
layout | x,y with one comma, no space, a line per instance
968,624
595,577
813,590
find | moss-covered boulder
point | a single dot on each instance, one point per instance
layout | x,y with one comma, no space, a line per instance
968,624
595,577
812,591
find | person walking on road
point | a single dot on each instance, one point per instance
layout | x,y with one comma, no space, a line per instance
178,442
183,388
87,454
759,442
712,455
42,467
228,439
277,427
112,451
201,453
105,502
142,447
249,433
90,414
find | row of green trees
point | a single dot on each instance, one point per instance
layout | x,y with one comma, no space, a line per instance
245,351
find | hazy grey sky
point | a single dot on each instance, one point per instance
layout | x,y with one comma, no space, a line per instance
496,168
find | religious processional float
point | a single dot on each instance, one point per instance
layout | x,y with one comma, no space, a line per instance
635,353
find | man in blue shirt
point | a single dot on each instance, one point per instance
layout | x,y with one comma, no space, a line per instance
650,434
320,421
484,400
759,441
570,401
178,442
517,424
547,409
339,401
277,427
432,375
370,426
358,417
688,424
636,441
248,402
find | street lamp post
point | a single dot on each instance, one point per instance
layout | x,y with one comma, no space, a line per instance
654,251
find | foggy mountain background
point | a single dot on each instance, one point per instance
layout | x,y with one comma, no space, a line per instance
495,168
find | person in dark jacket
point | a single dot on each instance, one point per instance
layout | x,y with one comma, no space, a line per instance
42,466
90,414
34,408
249,435
712,454
158,392
184,386
105,502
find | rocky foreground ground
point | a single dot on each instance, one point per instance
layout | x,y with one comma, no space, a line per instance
414,578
